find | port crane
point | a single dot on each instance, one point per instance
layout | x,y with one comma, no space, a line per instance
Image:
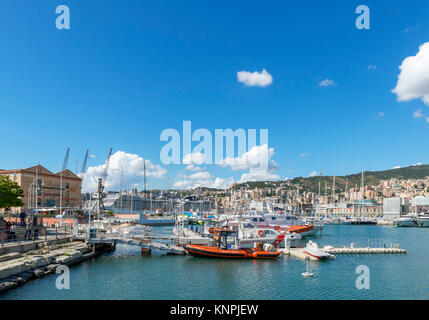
85,161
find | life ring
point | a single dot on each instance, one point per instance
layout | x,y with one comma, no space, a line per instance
261,233
277,228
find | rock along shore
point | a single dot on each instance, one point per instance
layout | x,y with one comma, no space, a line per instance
18,268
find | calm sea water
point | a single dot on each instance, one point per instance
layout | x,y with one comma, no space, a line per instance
124,274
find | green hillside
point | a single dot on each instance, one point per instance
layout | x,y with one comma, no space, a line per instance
371,178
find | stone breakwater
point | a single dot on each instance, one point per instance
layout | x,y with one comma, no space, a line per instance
18,268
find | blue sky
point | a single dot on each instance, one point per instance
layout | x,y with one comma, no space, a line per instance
126,70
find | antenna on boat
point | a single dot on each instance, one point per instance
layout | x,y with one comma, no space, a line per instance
307,274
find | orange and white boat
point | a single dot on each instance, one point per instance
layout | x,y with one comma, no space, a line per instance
220,235
215,252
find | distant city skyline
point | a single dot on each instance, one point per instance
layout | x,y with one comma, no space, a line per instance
333,98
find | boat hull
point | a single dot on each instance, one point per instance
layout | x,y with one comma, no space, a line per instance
405,223
423,223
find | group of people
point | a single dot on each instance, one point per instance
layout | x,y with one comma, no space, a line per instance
11,228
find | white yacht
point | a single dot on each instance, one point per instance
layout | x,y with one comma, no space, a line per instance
423,221
312,249
405,221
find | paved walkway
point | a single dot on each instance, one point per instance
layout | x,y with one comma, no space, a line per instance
26,245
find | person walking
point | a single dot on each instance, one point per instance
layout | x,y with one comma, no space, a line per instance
23,215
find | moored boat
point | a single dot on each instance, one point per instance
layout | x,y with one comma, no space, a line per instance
423,221
223,250
405,221
215,252
313,250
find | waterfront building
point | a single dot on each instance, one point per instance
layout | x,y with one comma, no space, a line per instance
394,208
42,188
420,204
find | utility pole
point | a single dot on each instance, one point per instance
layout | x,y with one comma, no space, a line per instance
66,159
120,187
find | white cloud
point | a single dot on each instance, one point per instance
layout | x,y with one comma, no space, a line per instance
413,80
416,164
303,155
192,167
132,171
314,174
418,113
255,79
92,156
255,175
397,167
427,119
380,115
194,158
204,175
372,67
252,159
203,179
327,83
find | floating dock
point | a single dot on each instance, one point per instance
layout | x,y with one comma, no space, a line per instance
299,253
168,248
365,250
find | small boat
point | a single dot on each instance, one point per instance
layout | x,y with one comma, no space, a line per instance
313,250
222,250
215,252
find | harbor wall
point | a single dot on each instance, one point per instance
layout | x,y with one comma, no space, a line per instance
17,268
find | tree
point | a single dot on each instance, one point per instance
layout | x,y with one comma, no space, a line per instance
10,193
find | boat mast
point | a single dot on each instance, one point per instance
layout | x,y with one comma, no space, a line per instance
120,193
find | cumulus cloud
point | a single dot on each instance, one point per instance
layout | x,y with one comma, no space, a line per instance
327,83
192,167
132,171
92,156
413,79
197,158
253,159
397,167
255,79
418,113
256,175
372,67
203,179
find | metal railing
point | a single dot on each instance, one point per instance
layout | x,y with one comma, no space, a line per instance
19,235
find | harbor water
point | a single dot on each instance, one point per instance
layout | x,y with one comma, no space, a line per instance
125,274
